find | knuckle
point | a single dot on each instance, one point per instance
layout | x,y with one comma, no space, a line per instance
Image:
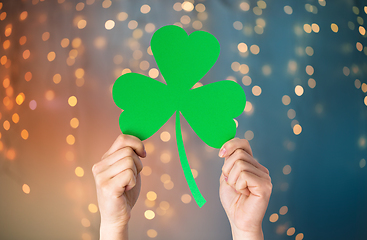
99,181
245,142
95,169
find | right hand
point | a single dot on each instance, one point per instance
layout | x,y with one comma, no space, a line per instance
118,180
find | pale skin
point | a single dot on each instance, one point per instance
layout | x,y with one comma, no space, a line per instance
245,187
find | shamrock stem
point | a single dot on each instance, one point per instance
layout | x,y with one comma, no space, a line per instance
185,165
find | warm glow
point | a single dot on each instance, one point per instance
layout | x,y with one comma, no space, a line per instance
165,157
242,47
24,134
145,9
149,214
165,136
74,122
153,73
334,27
146,171
187,6
152,233
287,169
15,118
298,90
51,56
283,210
79,73
50,95
165,178
28,76
256,90
26,189
273,217
72,101
297,129
151,196
186,198
70,139
109,24
79,171
291,231
20,98
92,208
249,135
6,125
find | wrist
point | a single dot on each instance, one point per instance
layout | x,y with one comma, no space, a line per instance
113,232
238,234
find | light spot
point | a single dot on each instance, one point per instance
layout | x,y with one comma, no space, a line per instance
153,73
186,198
165,157
26,189
152,233
244,6
286,100
72,101
146,171
82,23
334,27
74,122
24,134
362,163
274,217
85,222
242,47
256,90
246,80
297,129
237,25
70,139
79,171
288,10
249,135
151,196
291,231
51,56
109,24
149,214
287,169
298,90
145,9
283,210
311,83
122,16
92,208
187,6
309,70
299,236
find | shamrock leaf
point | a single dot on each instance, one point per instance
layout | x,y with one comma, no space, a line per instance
148,104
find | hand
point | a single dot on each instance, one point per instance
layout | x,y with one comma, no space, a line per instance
245,189
118,185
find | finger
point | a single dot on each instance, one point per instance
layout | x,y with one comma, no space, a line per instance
118,167
240,154
124,140
124,181
116,156
240,166
229,147
257,186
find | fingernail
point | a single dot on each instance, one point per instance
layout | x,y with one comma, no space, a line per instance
222,152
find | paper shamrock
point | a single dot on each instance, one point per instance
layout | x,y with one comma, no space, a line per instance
148,104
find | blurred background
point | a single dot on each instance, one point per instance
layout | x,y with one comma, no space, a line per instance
302,65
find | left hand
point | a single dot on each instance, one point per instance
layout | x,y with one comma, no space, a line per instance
245,189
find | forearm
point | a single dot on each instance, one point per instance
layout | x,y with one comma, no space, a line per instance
113,233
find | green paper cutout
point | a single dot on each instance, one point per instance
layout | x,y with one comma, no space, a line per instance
148,104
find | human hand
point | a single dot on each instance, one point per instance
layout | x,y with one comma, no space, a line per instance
118,185
245,189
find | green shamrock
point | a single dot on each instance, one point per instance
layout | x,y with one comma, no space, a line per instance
148,104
